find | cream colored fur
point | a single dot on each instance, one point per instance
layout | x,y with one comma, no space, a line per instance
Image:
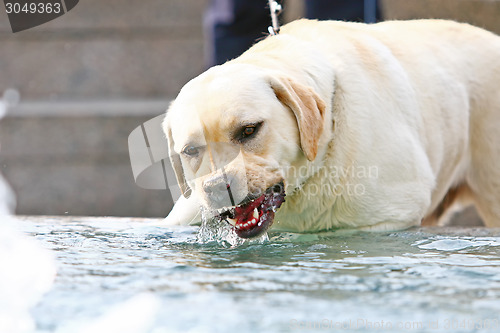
407,111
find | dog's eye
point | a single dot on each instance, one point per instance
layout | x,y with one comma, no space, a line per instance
248,131
190,151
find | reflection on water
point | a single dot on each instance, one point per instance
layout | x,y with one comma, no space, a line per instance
420,280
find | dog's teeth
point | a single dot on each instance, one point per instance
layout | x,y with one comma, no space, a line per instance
231,221
256,213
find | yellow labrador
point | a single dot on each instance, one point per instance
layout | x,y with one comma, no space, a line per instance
343,125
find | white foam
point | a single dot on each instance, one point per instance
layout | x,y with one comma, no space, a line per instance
27,271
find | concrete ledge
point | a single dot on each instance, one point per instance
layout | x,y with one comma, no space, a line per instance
92,108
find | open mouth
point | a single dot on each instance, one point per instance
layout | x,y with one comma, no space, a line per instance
253,217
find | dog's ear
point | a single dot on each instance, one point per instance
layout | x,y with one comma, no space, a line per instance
308,108
175,160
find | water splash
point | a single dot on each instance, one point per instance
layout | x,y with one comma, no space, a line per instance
220,232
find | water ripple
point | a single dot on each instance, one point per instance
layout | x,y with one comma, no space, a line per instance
420,276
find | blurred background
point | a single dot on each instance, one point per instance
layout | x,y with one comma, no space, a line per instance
91,76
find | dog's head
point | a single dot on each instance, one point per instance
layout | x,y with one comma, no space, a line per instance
233,133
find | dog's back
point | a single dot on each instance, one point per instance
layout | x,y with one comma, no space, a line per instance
442,76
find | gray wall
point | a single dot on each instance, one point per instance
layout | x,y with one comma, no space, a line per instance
86,80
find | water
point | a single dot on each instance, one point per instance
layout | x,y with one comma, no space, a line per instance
126,275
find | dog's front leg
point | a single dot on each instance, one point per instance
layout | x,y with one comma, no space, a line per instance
186,211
